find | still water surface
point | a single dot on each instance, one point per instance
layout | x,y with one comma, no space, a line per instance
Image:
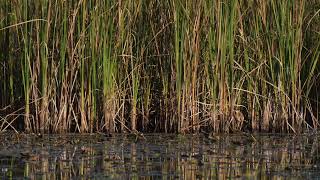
160,156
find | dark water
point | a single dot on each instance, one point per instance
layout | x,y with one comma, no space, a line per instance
159,156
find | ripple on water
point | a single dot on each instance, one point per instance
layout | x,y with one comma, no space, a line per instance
160,156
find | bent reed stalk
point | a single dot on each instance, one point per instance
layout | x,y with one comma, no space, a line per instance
165,66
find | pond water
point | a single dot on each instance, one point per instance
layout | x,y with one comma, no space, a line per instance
159,156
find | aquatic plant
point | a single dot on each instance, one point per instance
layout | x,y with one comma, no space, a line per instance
169,66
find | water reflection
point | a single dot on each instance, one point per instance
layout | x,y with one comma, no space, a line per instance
160,157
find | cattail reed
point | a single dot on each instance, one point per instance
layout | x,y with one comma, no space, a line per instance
165,66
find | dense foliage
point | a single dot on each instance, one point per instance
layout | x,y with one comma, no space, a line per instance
151,65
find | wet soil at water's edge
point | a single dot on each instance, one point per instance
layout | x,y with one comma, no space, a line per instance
159,156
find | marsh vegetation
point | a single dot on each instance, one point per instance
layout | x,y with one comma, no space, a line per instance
164,66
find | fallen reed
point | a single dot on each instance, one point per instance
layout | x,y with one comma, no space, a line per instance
165,66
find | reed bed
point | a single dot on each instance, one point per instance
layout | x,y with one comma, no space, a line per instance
165,66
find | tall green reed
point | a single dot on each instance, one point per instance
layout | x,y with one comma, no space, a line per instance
109,69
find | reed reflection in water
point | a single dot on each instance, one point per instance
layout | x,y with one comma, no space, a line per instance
160,157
